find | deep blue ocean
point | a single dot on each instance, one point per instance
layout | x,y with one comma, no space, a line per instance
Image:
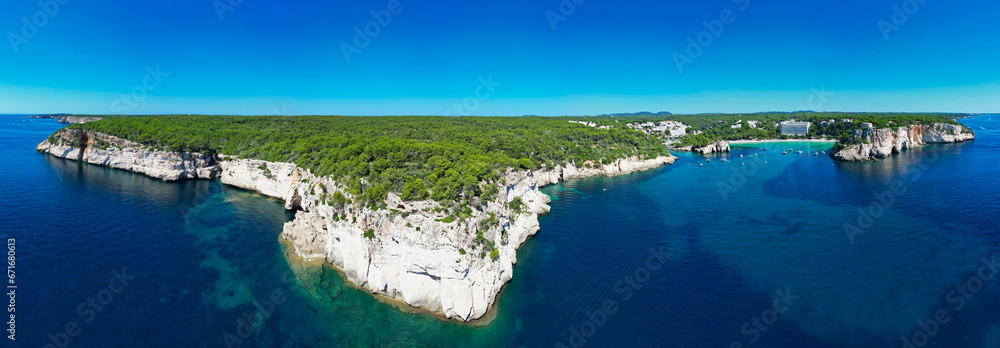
766,250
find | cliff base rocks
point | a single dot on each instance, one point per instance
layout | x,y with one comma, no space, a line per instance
882,142
409,251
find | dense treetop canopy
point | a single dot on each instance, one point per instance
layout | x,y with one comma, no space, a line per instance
443,158
714,127
451,158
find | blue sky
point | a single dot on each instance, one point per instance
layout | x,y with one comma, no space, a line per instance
498,57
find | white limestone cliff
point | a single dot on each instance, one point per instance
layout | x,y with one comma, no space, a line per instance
947,133
718,146
69,119
113,152
882,142
416,257
414,253
78,119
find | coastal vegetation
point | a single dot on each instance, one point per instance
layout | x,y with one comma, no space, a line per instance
441,158
705,129
459,159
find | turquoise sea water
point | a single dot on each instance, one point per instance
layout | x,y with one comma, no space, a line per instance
681,256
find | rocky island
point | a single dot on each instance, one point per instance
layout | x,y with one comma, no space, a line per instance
438,254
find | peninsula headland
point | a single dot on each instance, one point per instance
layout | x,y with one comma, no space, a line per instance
426,210
431,211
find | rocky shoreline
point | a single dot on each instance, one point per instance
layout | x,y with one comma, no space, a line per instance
718,146
882,142
408,251
69,119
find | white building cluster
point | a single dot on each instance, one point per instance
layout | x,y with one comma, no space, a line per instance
590,124
668,128
791,127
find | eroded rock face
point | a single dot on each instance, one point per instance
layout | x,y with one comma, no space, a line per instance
113,152
417,257
718,146
78,119
882,142
278,180
412,254
947,133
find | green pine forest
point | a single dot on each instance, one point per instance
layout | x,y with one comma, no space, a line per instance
715,127
446,159
454,159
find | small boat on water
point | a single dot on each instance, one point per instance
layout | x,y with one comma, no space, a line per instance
815,153
701,165
763,149
800,152
725,160
784,153
709,160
